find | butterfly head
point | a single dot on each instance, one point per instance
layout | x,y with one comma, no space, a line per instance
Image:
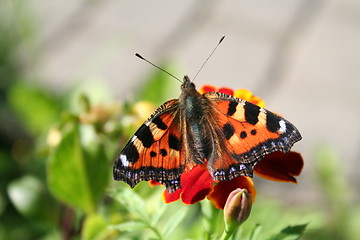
187,84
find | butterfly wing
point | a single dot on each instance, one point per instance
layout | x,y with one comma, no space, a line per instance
246,133
154,152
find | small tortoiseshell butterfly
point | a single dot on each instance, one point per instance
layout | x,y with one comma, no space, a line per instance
229,134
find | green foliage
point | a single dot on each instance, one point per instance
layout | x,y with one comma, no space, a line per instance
95,227
77,176
290,232
28,196
34,107
159,87
144,219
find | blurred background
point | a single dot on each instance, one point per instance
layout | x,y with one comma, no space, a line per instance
302,57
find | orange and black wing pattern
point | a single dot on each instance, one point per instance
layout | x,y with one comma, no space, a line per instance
154,152
246,133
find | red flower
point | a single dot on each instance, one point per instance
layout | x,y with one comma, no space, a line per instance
198,183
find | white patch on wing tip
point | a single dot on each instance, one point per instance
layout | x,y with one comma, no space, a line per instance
124,160
133,138
282,124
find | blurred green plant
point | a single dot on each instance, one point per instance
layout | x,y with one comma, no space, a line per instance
22,192
78,175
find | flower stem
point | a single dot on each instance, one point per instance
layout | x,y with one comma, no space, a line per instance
157,233
227,234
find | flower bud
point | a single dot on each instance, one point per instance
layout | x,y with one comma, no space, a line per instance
142,110
237,209
54,137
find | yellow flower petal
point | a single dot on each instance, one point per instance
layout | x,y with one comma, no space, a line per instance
243,94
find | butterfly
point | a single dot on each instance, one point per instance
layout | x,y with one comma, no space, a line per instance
229,134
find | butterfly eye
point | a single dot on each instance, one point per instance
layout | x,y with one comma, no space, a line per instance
187,84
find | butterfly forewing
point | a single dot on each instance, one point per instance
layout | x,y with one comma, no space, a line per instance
248,134
154,152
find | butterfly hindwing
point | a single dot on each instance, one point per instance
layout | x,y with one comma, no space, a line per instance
247,133
154,152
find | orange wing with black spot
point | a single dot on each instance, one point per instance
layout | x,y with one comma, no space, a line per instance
155,150
246,133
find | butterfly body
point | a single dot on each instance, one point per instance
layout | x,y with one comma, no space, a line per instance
229,134
193,112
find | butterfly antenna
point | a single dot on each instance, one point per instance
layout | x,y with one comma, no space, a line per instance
207,59
141,57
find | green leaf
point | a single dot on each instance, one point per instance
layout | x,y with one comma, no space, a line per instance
130,226
158,213
206,209
290,232
213,218
76,177
255,232
173,221
294,230
133,203
94,227
36,108
97,170
29,197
